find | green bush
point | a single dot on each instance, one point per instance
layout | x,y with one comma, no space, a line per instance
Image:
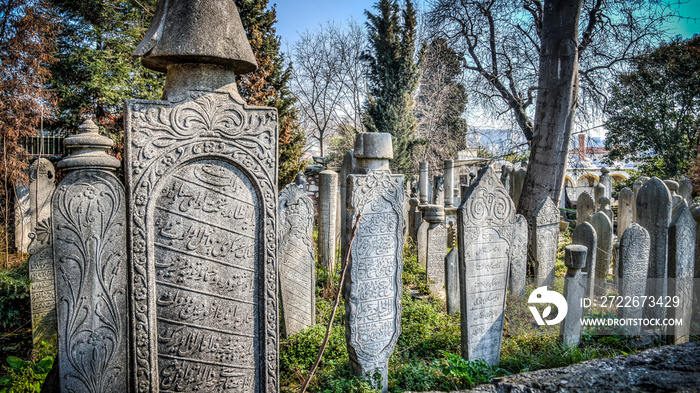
14,297
25,376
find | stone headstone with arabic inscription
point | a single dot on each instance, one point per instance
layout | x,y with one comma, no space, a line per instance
545,241
42,289
634,263
436,248
681,261
604,247
518,263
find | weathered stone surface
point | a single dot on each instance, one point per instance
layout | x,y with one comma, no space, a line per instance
606,181
452,281
585,207
297,260
327,199
605,208
603,257
654,214
625,212
574,292
23,217
345,170
451,224
436,248
449,173
422,243
89,250
635,188
634,263
485,225
415,217
545,241
681,261
373,285
518,182
598,192
695,211
438,190
585,235
685,190
423,183
518,257
42,176
42,288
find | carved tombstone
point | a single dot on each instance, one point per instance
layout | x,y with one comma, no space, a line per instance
654,214
42,288
574,292
681,261
201,172
485,225
23,218
585,207
585,235
327,200
624,210
373,285
90,267
545,241
603,257
436,248
297,260
634,263
42,176
518,262
452,281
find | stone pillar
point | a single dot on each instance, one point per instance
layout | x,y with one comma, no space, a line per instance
585,235
585,207
42,288
423,183
449,173
327,193
545,241
604,232
518,263
452,281
681,261
634,263
89,238
373,284
625,212
574,292
606,181
436,248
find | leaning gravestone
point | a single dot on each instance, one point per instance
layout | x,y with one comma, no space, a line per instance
574,292
634,263
327,209
603,253
485,225
654,214
373,285
90,268
436,248
681,260
297,261
41,187
585,235
545,241
42,289
585,207
624,210
518,257
201,172
452,281
23,218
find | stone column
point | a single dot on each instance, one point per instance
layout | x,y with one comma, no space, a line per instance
545,241
681,261
574,292
449,173
89,238
373,284
604,232
327,193
423,183
634,263
585,235
436,248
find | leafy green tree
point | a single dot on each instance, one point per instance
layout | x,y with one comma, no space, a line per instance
393,74
268,85
654,111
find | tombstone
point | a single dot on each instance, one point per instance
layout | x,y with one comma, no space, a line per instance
574,292
585,235
624,211
373,284
42,177
414,216
452,282
598,192
485,225
585,207
518,182
42,288
327,199
603,254
438,190
422,243
604,204
505,176
685,190
606,181
423,183
681,261
300,181
23,217
635,188
448,169
518,257
436,248
90,267
545,241
695,211
654,214
452,231
634,263
676,200
297,260
201,172
345,169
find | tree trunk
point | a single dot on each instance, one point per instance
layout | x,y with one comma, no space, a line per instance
556,103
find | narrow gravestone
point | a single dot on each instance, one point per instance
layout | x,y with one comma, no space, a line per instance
327,199
373,285
422,243
436,249
676,200
606,181
42,288
634,263
297,260
518,182
485,225
23,218
448,168
90,267
654,214
201,171
624,210
413,215
42,176
695,211
585,207
598,192
545,241
635,188
685,190
518,257
452,281
574,292
605,208
423,183
585,235
681,260
603,254
345,170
